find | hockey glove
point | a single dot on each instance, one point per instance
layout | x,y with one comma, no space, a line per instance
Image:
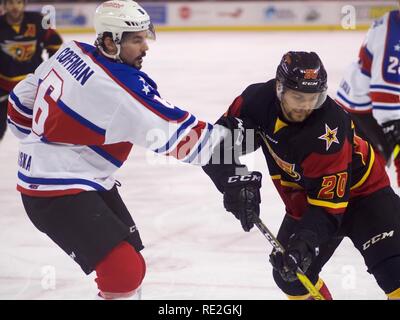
301,250
391,130
242,198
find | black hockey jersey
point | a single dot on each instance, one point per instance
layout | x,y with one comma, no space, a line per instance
319,162
21,48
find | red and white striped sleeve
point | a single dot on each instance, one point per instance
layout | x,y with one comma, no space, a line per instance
20,106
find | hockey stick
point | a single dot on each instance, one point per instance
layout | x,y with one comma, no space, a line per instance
396,151
299,273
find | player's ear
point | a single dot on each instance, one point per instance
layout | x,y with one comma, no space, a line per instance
109,45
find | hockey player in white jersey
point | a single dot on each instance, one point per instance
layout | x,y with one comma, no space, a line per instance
370,89
77,117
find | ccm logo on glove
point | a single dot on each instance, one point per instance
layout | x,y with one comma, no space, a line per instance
246,178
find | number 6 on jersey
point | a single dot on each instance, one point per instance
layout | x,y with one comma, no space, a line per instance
49,91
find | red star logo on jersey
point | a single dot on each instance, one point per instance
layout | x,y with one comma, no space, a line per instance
329,136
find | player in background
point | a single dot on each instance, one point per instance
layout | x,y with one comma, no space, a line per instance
77,118
330,180
22,41
370,89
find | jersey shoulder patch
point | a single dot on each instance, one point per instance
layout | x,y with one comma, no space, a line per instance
331,129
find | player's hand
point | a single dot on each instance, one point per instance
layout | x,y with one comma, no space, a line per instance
301,251
242,198
391,130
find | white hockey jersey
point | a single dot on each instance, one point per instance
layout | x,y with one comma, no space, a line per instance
78,115
373,84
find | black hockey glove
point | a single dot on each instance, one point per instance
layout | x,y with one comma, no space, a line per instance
242,197
391,130
301,250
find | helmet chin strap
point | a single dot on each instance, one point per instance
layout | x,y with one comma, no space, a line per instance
115,57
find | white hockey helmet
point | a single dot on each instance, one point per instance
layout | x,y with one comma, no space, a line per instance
119,16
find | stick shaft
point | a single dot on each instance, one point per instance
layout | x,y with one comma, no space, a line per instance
299,273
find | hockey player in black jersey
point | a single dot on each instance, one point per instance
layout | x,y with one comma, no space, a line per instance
332,182
22,41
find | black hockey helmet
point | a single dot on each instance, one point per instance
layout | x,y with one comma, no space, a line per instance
304,72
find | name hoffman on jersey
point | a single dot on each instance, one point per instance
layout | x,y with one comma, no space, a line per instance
75,65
